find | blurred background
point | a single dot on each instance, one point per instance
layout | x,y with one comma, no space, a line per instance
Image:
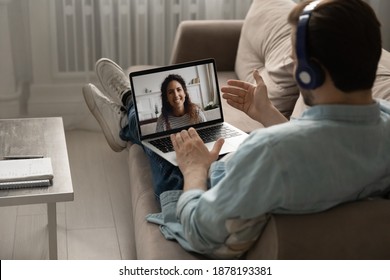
48,47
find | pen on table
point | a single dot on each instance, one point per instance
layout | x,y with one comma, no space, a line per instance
22,157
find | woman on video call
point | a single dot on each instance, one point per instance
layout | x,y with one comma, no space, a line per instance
177,108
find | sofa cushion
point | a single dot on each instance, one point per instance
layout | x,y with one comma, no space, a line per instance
381,87
198,39
265,44
150,243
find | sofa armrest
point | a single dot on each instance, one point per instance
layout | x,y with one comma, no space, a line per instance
350,231
198,39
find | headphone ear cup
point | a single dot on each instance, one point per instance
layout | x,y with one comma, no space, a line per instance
309,75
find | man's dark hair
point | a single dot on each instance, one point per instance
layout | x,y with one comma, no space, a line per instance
344,37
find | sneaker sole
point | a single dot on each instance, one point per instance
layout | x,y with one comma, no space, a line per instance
98,65
92,106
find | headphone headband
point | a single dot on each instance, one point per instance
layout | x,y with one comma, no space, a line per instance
309,74
310,7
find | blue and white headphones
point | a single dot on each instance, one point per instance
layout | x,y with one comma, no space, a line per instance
308,74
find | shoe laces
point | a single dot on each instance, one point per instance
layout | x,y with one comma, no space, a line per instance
120,110
118,84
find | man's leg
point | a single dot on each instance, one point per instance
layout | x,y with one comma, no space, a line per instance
114,81
165,175
129,132
110,116
117,89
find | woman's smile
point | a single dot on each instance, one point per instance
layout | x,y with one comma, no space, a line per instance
176,97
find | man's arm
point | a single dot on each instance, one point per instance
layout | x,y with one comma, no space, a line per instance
225,220
253,100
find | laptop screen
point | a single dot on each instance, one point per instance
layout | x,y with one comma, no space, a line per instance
172,98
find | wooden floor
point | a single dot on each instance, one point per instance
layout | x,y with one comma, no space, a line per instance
96,225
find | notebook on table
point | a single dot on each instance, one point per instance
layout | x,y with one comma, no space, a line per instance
203,88
25,173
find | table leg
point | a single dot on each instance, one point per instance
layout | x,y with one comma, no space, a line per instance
52,224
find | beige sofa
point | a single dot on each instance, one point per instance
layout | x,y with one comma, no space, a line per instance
357,230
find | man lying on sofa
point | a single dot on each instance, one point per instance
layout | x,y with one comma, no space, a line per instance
307,165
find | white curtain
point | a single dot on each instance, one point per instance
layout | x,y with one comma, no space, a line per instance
128,31
50,43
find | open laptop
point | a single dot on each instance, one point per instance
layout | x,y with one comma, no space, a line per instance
202,87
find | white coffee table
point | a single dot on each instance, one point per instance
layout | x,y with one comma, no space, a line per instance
39,136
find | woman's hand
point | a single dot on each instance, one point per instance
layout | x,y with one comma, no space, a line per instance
194,158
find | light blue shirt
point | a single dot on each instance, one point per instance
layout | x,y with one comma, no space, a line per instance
330,155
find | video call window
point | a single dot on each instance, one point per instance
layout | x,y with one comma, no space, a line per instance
202,90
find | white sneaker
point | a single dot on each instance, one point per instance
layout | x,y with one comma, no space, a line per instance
113,79
108,114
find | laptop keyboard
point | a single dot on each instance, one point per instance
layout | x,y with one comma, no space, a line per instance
208,134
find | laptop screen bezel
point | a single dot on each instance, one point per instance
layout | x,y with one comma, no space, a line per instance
172,68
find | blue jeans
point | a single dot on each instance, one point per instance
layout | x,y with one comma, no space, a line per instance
165,175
